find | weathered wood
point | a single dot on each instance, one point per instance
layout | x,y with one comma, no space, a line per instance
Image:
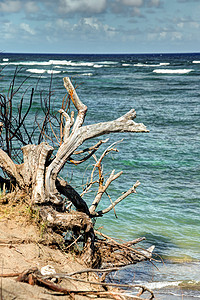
38,176
38,173
38,190
81,108
100,192
1,127
33,169
66,221
81,134
67,190
9,167
123,196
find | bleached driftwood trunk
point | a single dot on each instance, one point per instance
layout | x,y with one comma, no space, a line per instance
38,174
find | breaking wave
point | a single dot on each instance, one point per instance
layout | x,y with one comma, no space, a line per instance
184,285
59,63
151,65
97,66
170,71
87,74
42,71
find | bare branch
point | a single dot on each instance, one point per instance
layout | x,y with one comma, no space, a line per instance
96,146
101,190
8,166
81,134
123,196
1,127
82,108
67,123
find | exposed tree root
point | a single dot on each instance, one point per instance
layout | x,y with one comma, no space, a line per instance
34,277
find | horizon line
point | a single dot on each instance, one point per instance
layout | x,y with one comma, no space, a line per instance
103,53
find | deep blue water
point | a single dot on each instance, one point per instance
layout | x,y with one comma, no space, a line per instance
164,89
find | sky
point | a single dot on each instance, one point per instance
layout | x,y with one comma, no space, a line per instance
99,26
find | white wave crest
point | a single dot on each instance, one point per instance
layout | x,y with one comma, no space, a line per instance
87,74
108,62
97,66
5,59
151,65
37,71
163,284
170,71
53,72
42,71
51,62
70,63
126,65
196,62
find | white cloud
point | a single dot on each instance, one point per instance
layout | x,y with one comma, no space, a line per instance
8,31
195,25
31,7
163,34
151,36
132,2
180,25
139,3
93,26
154,3
92,23
27,28
176,36
82,6
10,6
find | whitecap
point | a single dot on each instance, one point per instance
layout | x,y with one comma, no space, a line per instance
37,71
108,62
97,66
164,64
151,65
126,65
170,71
59,62
53,72
5,59
163,284
42,71
26,63
196,62
52,62
41,63
87,74
82,64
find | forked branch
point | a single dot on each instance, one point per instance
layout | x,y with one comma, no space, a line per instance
80,134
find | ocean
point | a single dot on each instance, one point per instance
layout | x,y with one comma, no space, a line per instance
164,89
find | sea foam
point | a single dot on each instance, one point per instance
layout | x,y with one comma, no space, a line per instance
162,284
151,65
51,62
37,71
170,71
42,71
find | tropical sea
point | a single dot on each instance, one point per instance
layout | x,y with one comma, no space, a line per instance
164,89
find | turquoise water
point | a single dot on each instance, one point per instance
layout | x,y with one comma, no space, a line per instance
165,92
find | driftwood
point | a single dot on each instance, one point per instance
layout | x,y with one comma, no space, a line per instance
38,175
34,277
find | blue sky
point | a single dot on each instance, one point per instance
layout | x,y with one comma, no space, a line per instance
100,26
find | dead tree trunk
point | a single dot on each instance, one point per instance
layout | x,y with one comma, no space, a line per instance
38,175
